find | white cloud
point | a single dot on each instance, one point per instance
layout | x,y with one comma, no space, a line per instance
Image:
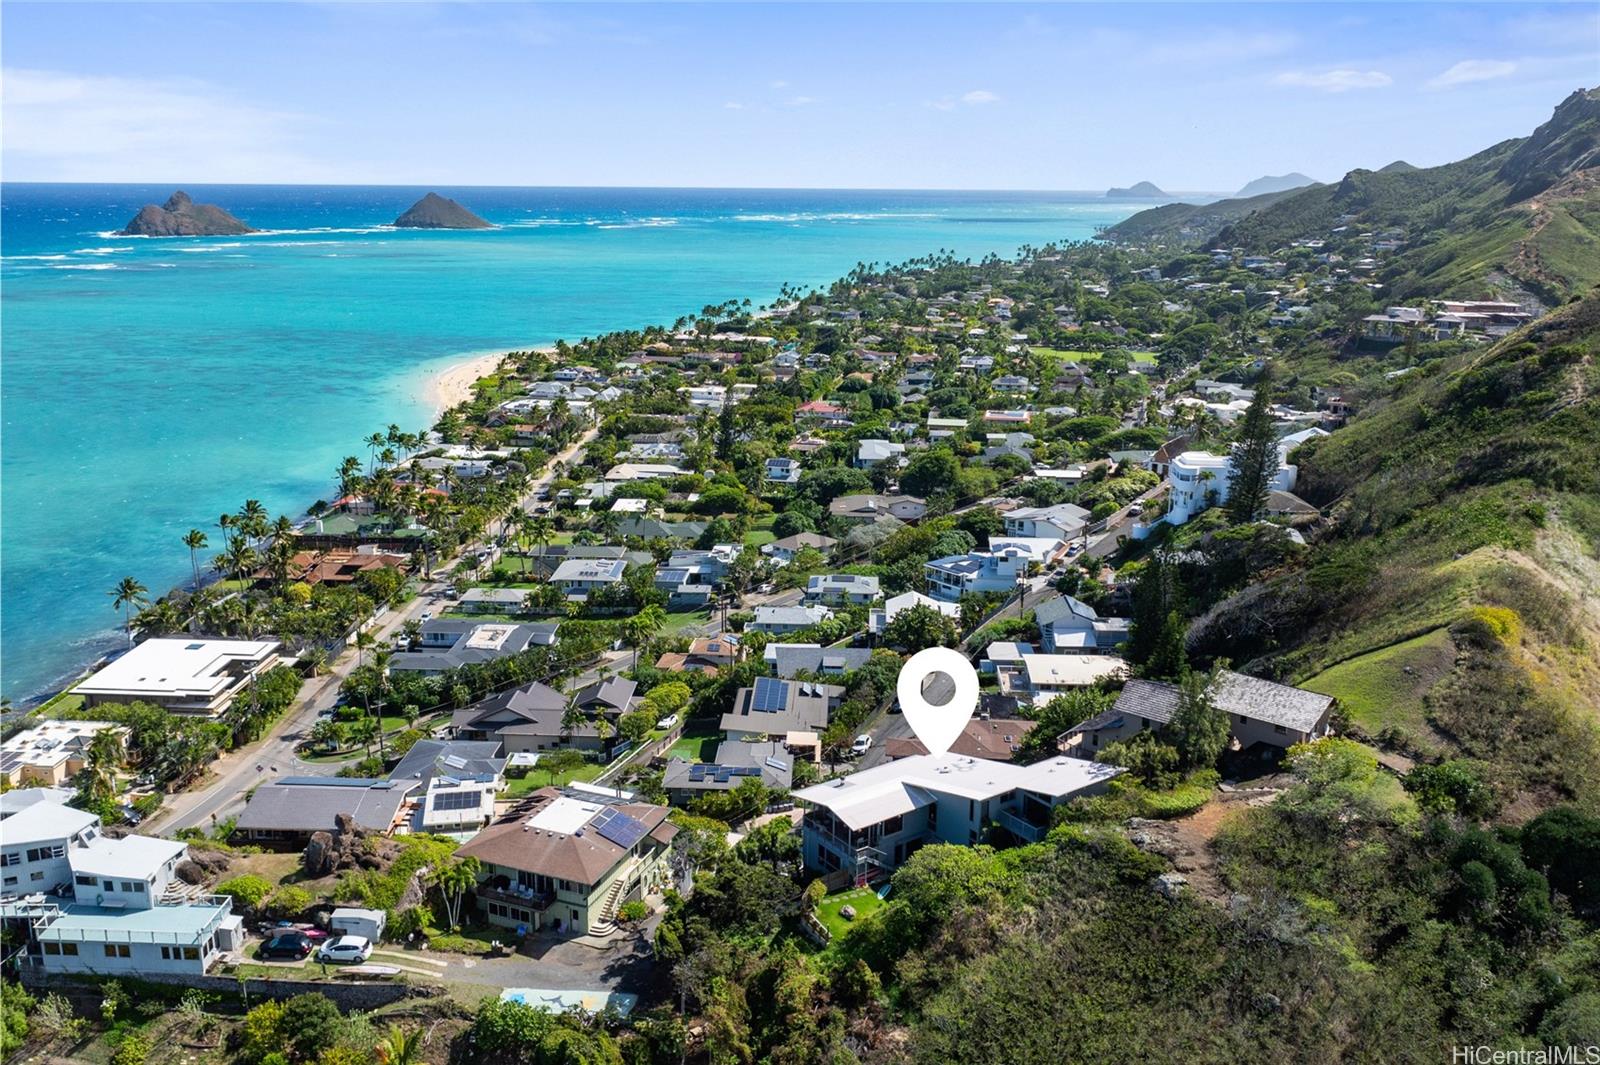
975,98
979,96
1340,80
734,105
1470,70
800,101
79,127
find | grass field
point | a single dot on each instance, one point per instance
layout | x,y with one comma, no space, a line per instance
698,742
761,532
678,620
862,900
1386,687
1088,356
537,778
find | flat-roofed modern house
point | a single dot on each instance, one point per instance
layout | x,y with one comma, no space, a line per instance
1040,678
736,761
103,905
1259,712
567,860
1070,626
870,822
459,780
771,709
533,717
52,752
450,643
183,676
289,810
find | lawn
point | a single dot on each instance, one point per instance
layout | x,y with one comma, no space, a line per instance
62,704
678,620
761,532
1089,356
862,900
699,740
1386,687
537,778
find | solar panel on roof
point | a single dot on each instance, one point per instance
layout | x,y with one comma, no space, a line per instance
771,695
619,828
777,763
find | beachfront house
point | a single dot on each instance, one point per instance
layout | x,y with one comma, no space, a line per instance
180,675
53,752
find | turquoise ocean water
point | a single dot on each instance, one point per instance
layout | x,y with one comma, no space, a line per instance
149,385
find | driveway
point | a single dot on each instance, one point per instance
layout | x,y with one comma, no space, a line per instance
625,964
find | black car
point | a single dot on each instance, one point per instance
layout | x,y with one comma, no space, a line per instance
286,945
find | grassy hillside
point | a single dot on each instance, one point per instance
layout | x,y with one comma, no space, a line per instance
1465,508
1526,210
1188,223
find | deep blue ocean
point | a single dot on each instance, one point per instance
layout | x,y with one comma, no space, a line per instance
149,385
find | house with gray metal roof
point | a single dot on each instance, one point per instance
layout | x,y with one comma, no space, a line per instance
289,810
789,660
450,643
772,708
459,780
1071,626
736,761
1260,712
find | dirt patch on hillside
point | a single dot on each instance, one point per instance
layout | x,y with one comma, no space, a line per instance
1186,841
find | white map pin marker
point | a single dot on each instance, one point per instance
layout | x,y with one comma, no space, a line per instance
937,726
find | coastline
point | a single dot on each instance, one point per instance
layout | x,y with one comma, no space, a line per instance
442,389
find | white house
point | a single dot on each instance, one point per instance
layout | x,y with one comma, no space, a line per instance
1000,569
782,619
580,576
870,453
1064,521
184,676
1201,480
1041,678
783,471
1071,626
878,620
841,589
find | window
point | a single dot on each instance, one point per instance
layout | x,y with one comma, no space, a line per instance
38,874
69,950
117,950
11,881
893,825
84,880
138,887
10,858
166,953
933,816
52,948
109,885
191,953
1280,730
130,887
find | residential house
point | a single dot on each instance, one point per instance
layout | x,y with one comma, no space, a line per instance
184,676
868,823
1041,678
458,781
493,601
789,660
78,902
735,762
785,549
444,644
842,589
867,508
870,453
783,471
534,717
1011,383
1063,521
53,752
821,412
992,739
286,811
578,577
1000,569
772,709
624,472
777,620
878,620
1071,626
1201,479
706,654
568,860
1259,712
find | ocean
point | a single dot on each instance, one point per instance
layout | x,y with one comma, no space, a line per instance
149,385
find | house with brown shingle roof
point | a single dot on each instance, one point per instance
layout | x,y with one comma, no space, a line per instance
568,859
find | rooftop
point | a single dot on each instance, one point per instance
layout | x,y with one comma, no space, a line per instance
177,668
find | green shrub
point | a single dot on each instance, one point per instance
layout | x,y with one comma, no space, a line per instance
132,1050
248,890
634,910
289,901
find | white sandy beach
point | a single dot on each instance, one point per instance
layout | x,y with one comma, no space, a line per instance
453,384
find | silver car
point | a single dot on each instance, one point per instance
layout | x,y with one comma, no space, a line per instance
354,949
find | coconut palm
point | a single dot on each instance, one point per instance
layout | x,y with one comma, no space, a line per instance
349,476
640,629
454,880
195,541
375,444
128,594
98,779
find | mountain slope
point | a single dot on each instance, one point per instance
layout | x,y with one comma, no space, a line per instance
1279,183
1188,223
1525,209
1456,595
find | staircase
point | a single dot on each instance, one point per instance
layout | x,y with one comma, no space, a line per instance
606,922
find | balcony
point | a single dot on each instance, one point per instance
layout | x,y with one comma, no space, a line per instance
1023,829
516,896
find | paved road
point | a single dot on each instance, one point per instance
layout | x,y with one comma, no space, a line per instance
234,774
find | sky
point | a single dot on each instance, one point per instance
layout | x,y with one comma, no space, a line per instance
992,96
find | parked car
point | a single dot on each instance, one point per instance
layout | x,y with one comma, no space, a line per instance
346,949
1136,508
291,944
862,745
670,721
425,617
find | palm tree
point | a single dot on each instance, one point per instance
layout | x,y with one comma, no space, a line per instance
349,476
375,444
252,519
644,625
454,880
315,658
542,529
573,717
128,594
194,540
99,777
399,1047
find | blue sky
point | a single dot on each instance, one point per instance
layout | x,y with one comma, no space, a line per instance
1082,96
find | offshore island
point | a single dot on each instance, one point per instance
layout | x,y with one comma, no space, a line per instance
180,216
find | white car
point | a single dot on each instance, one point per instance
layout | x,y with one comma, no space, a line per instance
425,617
346,949
862,745
670,721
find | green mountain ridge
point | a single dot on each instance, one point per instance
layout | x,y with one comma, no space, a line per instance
1188,223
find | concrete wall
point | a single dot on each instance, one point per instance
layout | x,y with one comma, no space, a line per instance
347,996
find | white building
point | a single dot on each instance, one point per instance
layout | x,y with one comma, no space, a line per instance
580,576
181,675
52,752
1064,521
841,589
878,620
870,453
1201,480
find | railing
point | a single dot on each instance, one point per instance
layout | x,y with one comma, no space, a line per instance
1022,829
535,900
